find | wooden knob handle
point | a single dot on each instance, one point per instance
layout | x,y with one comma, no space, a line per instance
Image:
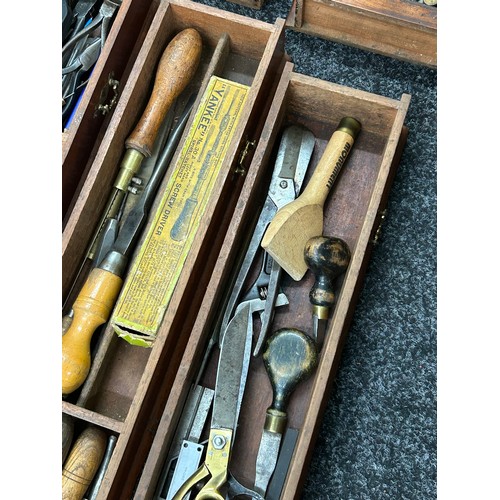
328,167
177,67
91,309
301,219
327,258
290,357
82,463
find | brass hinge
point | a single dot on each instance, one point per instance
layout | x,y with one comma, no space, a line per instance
103,107
240,167
378,232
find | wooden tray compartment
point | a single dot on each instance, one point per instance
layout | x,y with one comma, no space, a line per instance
352,212
401,29
127,386
82,138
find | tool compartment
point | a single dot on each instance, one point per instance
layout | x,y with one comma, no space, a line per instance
402,29
127,386
352,212
137,394
82,139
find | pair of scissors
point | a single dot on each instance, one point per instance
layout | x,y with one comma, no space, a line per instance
292,161
229,387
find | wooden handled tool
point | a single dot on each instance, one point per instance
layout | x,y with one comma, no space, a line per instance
327,258
295,223
95,302
176,69
290,357
82,463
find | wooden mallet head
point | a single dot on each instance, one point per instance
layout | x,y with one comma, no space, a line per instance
302,219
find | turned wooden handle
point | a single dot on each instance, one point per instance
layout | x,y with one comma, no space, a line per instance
327,258
328,167
91,309
82,463
290,357
177,67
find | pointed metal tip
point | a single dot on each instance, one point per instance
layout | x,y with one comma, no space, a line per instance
319,329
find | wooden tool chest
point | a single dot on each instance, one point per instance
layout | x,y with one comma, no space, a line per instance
401,29
136,393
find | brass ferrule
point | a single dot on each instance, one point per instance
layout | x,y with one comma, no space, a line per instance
275,421
350,126
129,167
321,312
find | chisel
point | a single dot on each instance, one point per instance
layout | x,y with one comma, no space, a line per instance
96,300
295,223
176,69
327,258
290,357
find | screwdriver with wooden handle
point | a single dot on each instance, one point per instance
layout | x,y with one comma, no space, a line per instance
98,296
327,258
82,463
176,69
295,223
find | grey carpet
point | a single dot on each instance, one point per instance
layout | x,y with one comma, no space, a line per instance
378,436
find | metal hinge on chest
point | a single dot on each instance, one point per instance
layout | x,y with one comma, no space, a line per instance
240,166
378,232
107,103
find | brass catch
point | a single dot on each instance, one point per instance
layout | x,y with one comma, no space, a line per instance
240,168
103,107
378,232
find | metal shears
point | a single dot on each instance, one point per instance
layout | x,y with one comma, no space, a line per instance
293,157
229,387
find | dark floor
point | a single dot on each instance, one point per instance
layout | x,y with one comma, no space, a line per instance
378,437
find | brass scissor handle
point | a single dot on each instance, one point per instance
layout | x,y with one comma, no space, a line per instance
215,466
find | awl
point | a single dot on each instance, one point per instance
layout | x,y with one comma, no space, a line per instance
290,357
327,258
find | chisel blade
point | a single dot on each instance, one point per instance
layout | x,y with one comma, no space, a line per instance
267,457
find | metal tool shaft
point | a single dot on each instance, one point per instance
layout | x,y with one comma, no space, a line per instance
98,296
290,357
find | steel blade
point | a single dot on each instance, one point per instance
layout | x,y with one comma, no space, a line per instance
236,346
266,459
292,160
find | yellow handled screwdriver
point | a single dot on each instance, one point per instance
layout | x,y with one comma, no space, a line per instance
176,69
98,295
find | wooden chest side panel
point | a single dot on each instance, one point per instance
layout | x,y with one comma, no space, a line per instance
396,28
